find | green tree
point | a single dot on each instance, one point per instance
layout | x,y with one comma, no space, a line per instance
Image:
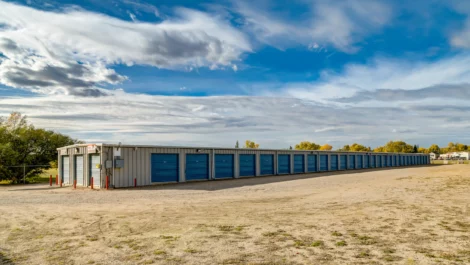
434,148
345,148
423,150
290,147
395,147
22,144
306,145
237,145
415,149
359,148
250,144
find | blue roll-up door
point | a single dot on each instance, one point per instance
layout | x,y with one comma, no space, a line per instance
385,161
415,160
311,163
379,161
334,162
343,162
299,164
359,161
366,161
389,162
323,162
164,168
223,166
352,162
402,160
372,161
66,170
394,161
197,167
79,170
95,172
247,165
267,164
283,164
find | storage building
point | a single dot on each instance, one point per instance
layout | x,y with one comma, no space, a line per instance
138,165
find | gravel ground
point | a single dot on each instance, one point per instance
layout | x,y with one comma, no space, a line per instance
396,216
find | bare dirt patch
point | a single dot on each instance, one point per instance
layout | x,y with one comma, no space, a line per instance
400,216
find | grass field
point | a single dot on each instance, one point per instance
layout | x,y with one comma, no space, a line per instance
450,162
42,178
397,216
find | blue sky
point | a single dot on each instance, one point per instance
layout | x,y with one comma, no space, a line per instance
213,72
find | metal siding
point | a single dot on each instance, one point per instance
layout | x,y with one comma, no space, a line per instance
352,162
165,168
197,166
299,164
223,166
343,162
66,169
266,164
79,169
94,171
323,162
367,161
283,164
247,165
334,162
359,161
311,163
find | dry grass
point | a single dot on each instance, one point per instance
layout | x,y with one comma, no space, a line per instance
360,218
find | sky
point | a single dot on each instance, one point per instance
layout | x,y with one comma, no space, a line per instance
209,73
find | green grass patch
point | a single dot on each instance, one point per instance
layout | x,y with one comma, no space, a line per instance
341,243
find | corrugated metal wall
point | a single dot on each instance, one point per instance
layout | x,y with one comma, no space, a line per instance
137,162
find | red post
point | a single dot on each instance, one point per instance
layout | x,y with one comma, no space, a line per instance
135,182
60,183
75,184
56,180
91,182
107,182
50,180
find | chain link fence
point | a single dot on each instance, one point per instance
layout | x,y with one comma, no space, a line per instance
24,169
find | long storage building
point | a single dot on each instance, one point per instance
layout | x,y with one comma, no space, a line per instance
137,165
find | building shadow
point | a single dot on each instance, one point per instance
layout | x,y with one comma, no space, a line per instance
221,184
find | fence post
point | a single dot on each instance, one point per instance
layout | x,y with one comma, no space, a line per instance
107,182
135,182
75,184
50,180
91,182
56,180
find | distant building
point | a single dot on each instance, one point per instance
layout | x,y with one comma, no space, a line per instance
433,156
456,155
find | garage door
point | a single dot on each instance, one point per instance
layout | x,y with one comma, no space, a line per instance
247,165
359,161
164,168
334,162
389,161
385,161
66,169
267,164
95,172
283,162
379,161
352,162
79,170
311,163
299,164
343,163
372,161
197,167
323,162
394,160
223,166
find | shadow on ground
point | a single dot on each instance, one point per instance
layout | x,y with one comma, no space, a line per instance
221,184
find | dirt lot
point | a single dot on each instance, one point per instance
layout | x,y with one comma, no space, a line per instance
399,216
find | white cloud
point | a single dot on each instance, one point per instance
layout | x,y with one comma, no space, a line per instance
37,44
220,121
341,24
384,75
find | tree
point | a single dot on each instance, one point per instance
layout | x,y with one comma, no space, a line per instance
422,150
290,148
415,149
22,144
306,145
434,148
395,147
345,148
237,145
326,147
358,148
250,144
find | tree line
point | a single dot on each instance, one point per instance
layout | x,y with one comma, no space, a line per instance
391,146
23,144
